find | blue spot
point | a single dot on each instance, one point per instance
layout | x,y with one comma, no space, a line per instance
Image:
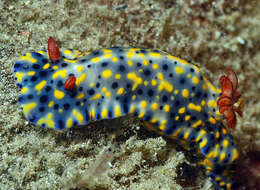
86,115
75,123
60,125
21,99
17,65
32,118
169,130
36,55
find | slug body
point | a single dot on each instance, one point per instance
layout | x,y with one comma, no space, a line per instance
167,93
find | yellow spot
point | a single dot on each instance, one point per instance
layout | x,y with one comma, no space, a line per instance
96,97
41,52
28,107
130,54
204,86
28,57
176,92
108,94
160,76
141,55
80,96
132,109
114,59
55,67
224,131
228,186
187,117
108,55
143,104
154,82
195,80
176,133
19,76
24,90
186,135
117,111
201,134
212,120
189,75
167,108
133,97
225,143
92,113
68,52
51,103
46,66
155,66
80,79
222,156
58,94
154,120
203,143
203,103
154,54
120,91
95,59
146,62
162,127
197,123
212,104
70,60
137,80
79,117
185,93
192,106
104,113
107,50
182,110
141,115
177,118
165,85
31,73
92,84
69,123
60,110
234,155
40,85
107,73
48,121
179,70
217,134
104,90
154,106
118,76
130,63
61,73
146,83
80,68
134,49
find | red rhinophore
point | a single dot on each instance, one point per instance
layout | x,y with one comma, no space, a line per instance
70,82
53,49
228,98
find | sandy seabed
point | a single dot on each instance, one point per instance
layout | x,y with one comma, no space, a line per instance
211,34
